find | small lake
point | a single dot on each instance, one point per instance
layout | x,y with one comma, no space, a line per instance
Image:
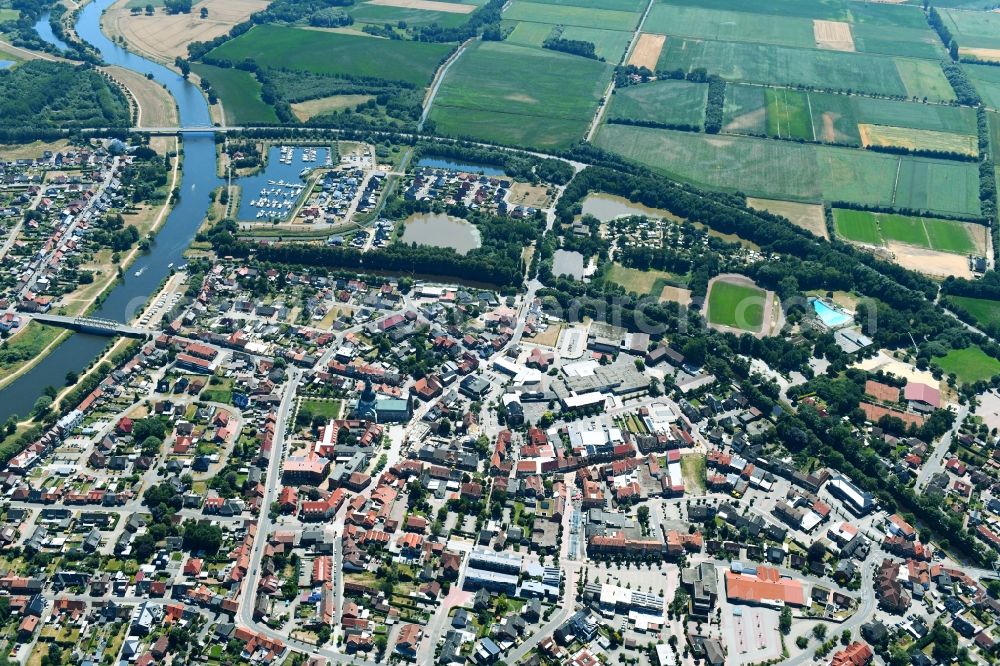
606,207
440,230
567,263
44,30
435,163
277,188
4,64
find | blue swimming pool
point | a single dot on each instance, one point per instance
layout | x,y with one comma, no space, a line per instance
832,317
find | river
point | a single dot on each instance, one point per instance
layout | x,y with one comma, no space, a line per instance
127,297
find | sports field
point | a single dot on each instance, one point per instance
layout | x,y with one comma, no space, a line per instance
239,92
799,172
736,305
931,233
984,310
336,54
823,69
969,365
567,15
519,95
666,102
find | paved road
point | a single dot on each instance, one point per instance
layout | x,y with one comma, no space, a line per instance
936,462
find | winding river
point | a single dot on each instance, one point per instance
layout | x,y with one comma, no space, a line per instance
128,296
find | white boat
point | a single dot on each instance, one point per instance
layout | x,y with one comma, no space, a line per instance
140,271
170,265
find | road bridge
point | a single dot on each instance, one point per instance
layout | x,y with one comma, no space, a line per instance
93,325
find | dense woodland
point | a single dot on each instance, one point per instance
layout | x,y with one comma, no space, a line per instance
39,99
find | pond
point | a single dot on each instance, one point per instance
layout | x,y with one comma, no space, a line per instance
466,167
567,263
440,230
4,64
607,207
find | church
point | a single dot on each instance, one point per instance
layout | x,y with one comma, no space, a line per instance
380,409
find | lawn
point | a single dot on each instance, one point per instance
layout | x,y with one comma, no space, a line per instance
984,310
25,345
736,305
642,283
240,94
336,54
782,65
518,95
969,365
693,469
220,392
668,102
327,408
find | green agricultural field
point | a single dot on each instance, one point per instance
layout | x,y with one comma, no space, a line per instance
969,365
779,65
985,311
666,102
239,92
788,114
608,44
518,95
336,54
835,117
736,305
745,110
614,5
366,12
856,225
720,25
567,15
529,34
928,232
986,80
976,29
938,185
831,10
797,171
907,42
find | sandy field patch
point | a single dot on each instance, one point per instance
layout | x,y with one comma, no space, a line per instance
803,215
647,51
829,132
526,194
430,5
315,107
675,294
156,106
930,262
165,37
883,361
834,35
749,120
913,139
989,55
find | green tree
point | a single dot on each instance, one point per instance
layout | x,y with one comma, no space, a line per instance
785,620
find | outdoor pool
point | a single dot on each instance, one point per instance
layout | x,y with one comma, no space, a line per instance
832,317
